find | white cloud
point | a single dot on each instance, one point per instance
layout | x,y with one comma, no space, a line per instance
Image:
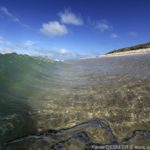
30,43
63,51
132,33
69,17
114,36
103,26
53,28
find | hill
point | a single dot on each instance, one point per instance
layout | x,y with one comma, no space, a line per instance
131,48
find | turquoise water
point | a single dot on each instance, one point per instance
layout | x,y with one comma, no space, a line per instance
79,102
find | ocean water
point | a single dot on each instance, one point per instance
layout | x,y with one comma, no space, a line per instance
74,104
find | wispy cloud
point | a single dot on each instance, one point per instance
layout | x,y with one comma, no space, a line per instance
1,40
5,12
103,26
29,43
68,17
53,29
133,33
4,42
114,36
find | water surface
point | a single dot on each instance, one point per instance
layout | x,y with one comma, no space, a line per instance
69,105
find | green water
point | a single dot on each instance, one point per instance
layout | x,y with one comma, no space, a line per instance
39,94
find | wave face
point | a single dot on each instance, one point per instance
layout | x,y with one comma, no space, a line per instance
22,79
46,104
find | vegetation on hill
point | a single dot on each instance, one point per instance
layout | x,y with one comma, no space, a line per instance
131,48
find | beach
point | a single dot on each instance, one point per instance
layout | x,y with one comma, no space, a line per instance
128,53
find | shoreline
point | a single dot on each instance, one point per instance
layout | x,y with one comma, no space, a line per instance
121,54
127,53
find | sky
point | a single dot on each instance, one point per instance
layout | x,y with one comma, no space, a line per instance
63,29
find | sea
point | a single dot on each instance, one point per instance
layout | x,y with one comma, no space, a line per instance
74,104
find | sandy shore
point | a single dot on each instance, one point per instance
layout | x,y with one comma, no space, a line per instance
134,52
118,54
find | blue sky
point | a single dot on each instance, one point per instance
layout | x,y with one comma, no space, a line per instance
72,28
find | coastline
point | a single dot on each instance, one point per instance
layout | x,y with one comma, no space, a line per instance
121,54
127,53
